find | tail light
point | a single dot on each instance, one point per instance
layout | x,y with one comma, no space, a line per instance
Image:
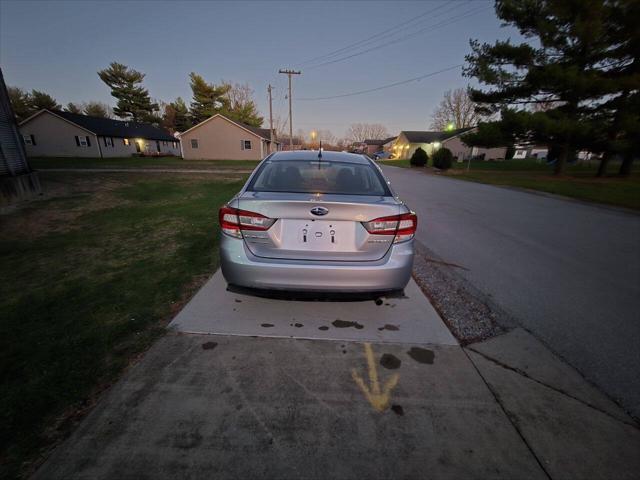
234,220
402,226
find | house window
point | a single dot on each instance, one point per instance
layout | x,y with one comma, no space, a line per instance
29,139
245,144
83,141
194,143
108,141
126,141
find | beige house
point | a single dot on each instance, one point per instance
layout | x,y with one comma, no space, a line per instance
409,141
219,138
64,134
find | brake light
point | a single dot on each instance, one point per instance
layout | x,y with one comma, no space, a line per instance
402,226
233,221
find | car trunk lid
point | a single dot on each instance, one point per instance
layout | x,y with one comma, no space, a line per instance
337,234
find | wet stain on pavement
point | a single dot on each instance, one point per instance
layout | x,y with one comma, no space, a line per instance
209,345
344,324
421,355
323,328
397,409
266,325
393,328
390,361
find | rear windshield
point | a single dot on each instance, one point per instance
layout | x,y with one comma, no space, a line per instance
304,176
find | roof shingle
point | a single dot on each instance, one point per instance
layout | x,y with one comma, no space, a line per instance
108,127
430,137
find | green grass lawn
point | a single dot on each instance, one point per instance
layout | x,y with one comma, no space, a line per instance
90,276
579,181
42,163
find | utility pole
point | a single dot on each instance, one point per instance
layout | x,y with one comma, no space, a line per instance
289,73
270,120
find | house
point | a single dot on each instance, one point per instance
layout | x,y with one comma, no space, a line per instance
530,151
17,180
220,138
409,141
371,146
297,143
387,146
51,133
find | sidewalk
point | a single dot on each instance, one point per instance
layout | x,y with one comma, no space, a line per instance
236,406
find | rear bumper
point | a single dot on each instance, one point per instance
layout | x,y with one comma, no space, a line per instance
240,267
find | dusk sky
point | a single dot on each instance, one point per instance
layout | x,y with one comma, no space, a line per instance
57,47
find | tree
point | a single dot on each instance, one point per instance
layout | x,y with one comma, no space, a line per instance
175,117
73,108
456,110
567,67
208,99
280,126
97,109
242,108
125,83
41,101
419,158
359,132
20,103
25,104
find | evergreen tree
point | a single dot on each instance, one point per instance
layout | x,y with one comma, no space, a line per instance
73,108
208,99
97,109
175,117
125,83
20,103
40,101
567,66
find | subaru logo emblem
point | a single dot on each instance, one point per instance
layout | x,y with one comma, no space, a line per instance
319,211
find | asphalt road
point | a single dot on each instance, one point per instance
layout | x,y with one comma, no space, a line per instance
567,271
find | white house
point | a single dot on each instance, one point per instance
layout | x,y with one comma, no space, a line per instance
409,141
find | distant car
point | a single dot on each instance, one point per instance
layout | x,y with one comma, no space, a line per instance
329,224
382,155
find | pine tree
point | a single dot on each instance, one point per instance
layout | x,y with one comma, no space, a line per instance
175,117
565,67
20,103
41,101
208,99
97,109
125,83
73,108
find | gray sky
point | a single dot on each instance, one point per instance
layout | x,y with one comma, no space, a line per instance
58,46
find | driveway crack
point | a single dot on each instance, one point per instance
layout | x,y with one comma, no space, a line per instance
509,416
551,387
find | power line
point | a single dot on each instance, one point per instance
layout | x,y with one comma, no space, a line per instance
395,84
443,23
376,36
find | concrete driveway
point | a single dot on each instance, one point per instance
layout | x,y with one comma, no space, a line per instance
567,271
383,392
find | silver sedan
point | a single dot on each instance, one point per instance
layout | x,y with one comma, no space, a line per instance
317,222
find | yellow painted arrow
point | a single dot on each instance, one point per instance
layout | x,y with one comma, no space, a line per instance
378,398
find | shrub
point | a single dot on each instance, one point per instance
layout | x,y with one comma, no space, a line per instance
419,158
442,159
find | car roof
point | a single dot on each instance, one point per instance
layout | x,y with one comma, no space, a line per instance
326,155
